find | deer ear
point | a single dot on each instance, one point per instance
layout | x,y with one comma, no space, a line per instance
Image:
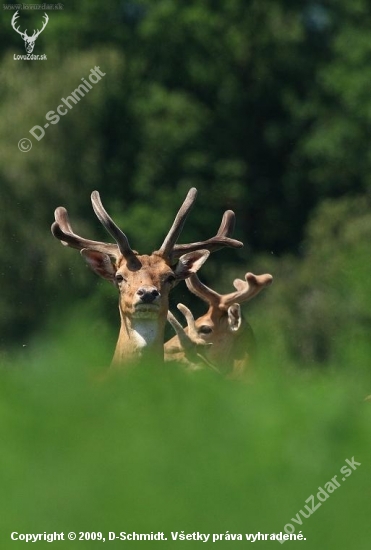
100,263
190,263
234,317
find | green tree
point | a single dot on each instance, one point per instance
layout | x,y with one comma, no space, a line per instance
320,309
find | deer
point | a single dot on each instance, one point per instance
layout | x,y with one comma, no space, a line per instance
220,339
29,41
143,281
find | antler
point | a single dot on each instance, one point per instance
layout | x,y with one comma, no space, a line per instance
192,345
192,331
220,240
169,250
62,230
172,251
114,230
171,238
202,291
246,290
14,19
184,338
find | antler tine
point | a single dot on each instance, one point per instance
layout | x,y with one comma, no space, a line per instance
112,228
62,219
222,239
202,291
192,344
62,230
173,251
247,289
184,338
227,226
192,331
175,230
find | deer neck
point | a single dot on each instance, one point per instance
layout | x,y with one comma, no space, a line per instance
139,339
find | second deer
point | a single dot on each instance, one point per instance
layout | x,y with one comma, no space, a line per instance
221,338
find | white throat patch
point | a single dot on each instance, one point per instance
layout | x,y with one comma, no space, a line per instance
144,333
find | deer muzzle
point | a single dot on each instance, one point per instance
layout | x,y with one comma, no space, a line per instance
147,298
147,294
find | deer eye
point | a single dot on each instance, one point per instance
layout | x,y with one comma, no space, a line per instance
120,278
170,278
205,329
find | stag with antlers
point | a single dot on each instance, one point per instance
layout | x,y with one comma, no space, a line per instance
220,339
143,281
29,41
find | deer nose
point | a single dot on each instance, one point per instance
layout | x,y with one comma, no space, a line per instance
148,294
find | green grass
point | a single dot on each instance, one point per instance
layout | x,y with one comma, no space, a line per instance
158,450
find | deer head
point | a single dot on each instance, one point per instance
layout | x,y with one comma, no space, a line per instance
143,281
222,332
29,40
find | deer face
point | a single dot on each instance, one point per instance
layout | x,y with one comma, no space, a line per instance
222,328
144,293
144,285
217,323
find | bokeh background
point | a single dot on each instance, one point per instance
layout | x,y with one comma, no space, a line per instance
265,107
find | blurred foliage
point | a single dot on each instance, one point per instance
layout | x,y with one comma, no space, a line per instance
322,301
263,105
159,450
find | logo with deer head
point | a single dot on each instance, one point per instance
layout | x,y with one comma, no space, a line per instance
29,41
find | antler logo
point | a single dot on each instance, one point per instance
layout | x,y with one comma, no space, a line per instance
29,41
